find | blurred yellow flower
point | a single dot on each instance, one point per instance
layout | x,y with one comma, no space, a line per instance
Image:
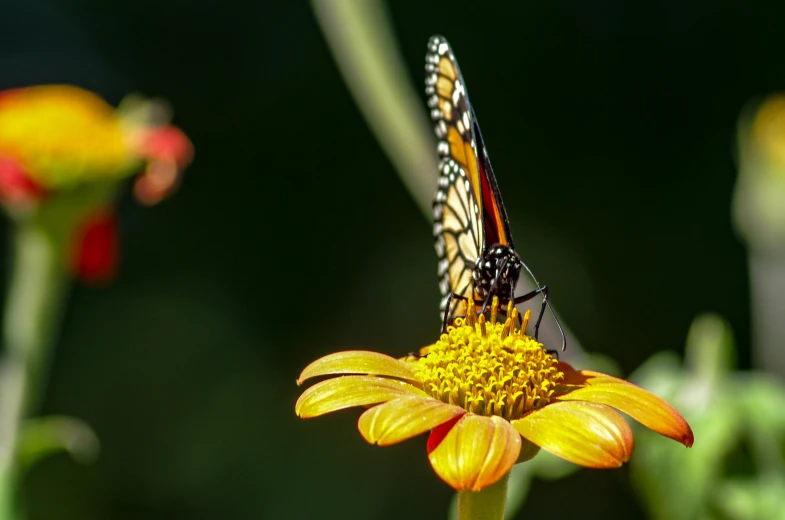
758,209
63,135
62,152
490,396
54,137
768,130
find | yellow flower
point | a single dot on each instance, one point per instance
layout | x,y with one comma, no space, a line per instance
56,137
63,153
768,130
490,396
62,135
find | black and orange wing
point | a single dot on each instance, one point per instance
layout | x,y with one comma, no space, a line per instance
497,226
468,212
457,221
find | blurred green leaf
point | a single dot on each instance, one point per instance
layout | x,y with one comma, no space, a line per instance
736,466
45,436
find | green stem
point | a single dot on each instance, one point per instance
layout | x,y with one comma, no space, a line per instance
487,504
362,41
767,280
36,292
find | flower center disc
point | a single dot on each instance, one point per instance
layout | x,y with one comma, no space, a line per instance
489,368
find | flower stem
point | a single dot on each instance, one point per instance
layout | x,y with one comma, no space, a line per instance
487,504
37,287
767,273
363,43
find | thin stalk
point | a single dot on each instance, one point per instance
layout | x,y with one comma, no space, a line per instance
487,504
767,279
366,51
37,288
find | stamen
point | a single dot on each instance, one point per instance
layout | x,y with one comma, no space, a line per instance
525,324
471,315
493,369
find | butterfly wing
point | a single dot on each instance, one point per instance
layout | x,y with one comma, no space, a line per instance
457,222
497,226
468,212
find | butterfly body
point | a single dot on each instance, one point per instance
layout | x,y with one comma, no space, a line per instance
496,273
477,259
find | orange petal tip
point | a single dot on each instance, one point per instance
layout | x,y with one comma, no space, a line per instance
645,407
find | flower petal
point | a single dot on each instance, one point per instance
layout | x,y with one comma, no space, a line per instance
404,418
476,452
588,434
574,377
357,362
95,248
347,391
648,409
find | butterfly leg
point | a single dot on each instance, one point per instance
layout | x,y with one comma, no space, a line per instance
450,297
544,291
528,296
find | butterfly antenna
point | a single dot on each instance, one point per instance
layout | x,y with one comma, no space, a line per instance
550,308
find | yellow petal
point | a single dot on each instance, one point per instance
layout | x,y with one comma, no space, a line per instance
588,434
476,452
574,377
357,362
404,418
651,411
347,391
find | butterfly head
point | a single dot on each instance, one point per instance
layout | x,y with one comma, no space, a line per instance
496,272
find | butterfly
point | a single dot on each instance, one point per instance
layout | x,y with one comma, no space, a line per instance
477,259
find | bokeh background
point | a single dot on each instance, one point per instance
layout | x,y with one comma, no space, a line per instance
611,129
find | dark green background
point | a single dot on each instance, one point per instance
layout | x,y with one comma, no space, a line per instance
610,126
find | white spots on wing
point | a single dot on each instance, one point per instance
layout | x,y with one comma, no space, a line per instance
444,285
443,47
443,148
444,264
438,227
467,124
440,247
441,129
430,79
458,91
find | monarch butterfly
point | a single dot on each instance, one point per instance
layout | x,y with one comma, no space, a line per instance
477,259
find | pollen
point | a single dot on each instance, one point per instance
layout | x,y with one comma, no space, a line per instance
489,367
